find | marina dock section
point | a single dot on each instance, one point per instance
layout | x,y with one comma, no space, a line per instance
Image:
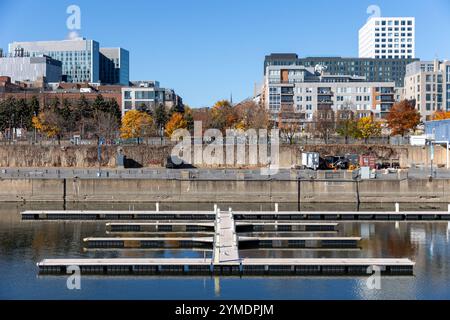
244,267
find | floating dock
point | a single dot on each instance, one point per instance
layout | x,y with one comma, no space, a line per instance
249,226
164,243
238,215
225,245
157,227
241,226
298,242
244,267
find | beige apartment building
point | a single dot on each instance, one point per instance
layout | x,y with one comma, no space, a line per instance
427,84
302,93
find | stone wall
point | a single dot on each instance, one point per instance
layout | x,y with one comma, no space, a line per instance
155,156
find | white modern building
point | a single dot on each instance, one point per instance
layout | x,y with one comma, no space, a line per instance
304,91
388,38
427,84
147,95
31,69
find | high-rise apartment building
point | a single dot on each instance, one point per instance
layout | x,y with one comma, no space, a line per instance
79,57
381,70
114,66
427,84
388,38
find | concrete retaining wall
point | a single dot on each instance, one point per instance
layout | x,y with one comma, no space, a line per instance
154,156
232,191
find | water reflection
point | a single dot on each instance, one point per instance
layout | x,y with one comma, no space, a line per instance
23,243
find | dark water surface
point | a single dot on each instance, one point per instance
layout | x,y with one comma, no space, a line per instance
23,243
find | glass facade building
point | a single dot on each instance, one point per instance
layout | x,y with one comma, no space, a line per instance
79,57
114,66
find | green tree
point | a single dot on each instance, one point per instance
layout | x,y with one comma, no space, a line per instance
189,118
35,105
347,128
161,116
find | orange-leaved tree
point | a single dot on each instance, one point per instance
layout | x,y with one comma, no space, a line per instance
136,124
441,115
403,118
177,121
47,123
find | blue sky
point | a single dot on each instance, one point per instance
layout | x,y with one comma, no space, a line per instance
208,49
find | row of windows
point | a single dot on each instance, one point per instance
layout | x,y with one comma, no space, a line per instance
390,46
394,34
393,40
144,95
392,51
393,29
333,63
308,107
393,22
348,98
393,57
432,106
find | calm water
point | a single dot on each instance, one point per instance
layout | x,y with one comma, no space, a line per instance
23,243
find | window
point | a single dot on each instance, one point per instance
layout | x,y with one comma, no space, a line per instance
128,95
145,95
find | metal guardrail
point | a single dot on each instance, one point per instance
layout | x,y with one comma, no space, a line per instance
206,174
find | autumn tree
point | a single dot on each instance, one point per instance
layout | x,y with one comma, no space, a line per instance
403,118
367,128
135,124
251,116
177,121
48,123
441,115
223,115
203,115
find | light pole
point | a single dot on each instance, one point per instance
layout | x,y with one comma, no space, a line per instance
99,156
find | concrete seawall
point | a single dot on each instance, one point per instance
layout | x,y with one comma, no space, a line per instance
231,191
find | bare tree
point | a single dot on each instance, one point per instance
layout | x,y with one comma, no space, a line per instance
324,124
